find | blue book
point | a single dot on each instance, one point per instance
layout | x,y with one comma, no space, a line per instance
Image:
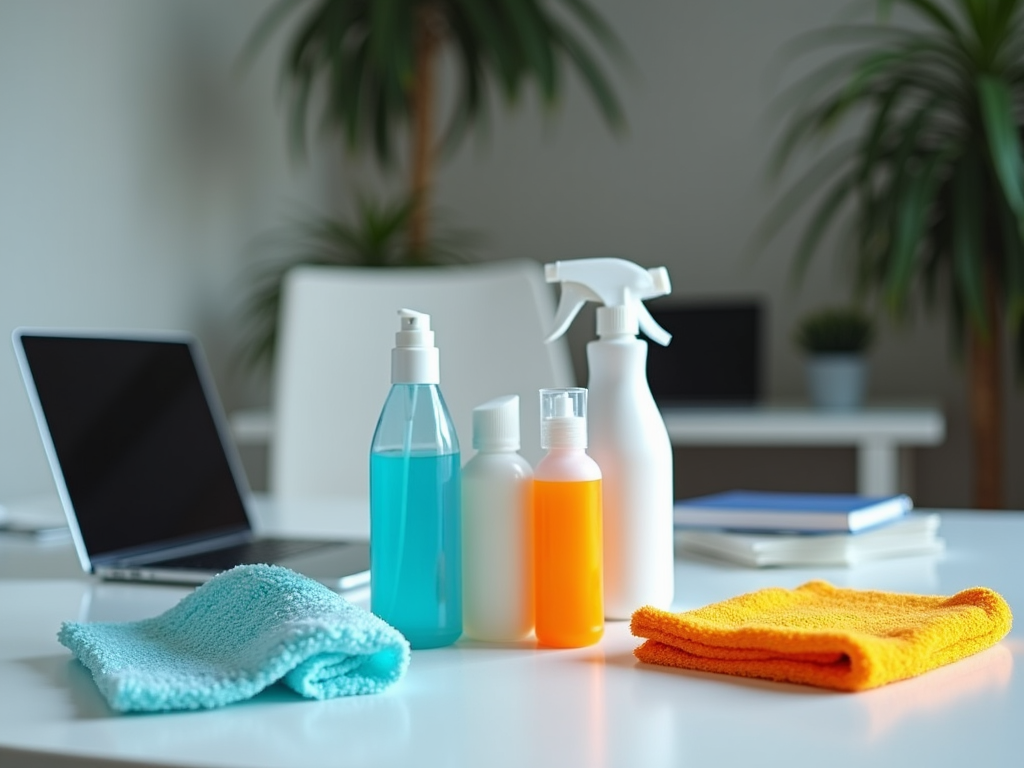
795,512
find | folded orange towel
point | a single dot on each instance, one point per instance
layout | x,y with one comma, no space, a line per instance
822,635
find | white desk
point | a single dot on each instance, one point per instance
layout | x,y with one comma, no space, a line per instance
881,434
877,432
473,705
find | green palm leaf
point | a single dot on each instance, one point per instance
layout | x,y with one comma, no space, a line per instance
361,54
967,242
910,215
935,185
1003,138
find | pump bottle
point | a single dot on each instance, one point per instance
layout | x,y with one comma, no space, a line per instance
628,439
567,525
497,528
415,497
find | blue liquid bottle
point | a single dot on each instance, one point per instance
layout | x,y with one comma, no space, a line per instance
415,497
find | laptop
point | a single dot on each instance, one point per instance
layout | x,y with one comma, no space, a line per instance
148,477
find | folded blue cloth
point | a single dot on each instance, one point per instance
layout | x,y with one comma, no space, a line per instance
240,632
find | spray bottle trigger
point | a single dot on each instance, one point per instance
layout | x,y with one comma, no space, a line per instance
574,296
650,326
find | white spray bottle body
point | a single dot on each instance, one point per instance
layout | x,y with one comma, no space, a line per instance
628,439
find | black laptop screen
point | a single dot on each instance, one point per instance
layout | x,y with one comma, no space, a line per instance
136,441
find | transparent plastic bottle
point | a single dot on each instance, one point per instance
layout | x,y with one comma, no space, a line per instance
567,526
415,497
497,528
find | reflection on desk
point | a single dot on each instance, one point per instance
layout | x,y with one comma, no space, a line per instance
513,705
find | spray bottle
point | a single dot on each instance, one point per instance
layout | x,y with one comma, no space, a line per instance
415,497
567,526
628,439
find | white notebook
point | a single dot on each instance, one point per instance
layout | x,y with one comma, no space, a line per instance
916,534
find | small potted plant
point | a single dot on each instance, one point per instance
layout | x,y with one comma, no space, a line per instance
835,341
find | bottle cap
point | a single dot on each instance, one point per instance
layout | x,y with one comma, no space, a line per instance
496,424
619,320
563,418
414,360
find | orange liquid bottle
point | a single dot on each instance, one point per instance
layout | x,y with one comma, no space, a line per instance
567,527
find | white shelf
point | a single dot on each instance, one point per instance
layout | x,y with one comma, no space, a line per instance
878,432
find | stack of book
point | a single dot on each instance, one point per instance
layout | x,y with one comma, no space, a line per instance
764,528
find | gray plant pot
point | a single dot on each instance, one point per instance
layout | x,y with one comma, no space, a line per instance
837,381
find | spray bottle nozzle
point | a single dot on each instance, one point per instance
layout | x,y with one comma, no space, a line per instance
413,329
619,285
414,359
659,276
411,320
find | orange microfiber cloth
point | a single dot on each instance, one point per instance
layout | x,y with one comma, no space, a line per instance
818,634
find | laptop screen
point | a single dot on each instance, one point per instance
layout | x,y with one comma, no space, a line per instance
136,441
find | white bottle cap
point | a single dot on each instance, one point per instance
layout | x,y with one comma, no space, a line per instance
414,360
619,320
496,424
563,418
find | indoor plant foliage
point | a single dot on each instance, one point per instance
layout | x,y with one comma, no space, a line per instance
370,67
835,331
835,341
366,71
930,182
375,237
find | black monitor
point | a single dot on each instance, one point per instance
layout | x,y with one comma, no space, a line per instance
714,357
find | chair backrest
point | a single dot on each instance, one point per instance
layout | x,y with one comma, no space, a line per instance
333,370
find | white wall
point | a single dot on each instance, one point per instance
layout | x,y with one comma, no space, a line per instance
135,170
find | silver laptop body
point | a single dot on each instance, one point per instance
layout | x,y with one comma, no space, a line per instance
148,476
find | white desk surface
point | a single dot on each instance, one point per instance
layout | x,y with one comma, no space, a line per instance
474,705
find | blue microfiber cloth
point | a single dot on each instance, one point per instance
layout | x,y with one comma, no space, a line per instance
235,635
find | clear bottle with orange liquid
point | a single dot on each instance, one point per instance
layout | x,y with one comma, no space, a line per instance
568,579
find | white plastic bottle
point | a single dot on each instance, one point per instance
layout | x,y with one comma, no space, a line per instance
497,528
628,439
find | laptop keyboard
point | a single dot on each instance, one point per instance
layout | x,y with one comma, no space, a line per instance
258,551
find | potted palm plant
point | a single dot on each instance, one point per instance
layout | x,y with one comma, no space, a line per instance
376,236
927,175
366,70
835,341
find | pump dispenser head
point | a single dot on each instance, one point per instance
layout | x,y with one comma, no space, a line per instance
620,286
563,418
414,360
496,424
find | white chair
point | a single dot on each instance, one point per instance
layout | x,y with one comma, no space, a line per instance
333,371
